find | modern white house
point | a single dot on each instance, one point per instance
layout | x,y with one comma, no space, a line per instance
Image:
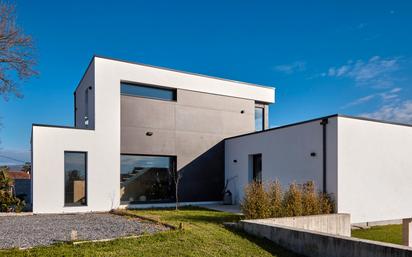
366,164
137,125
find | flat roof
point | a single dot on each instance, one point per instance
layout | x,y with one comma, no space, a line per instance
185,72
173,70
322,118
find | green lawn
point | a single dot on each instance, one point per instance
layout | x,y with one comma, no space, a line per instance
388,233
203,235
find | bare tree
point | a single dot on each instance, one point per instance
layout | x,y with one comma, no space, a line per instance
16,53
177,176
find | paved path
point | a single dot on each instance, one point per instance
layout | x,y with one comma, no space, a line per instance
235,209
29,231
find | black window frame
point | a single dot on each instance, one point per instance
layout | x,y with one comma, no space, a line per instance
86,119
257,168
263,117
149,86
86,169
173,166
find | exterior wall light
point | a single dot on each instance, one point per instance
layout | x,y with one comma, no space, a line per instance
149,133
242,111
235,161
313,154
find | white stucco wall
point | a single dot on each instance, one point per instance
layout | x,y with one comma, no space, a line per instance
286,155
49,145
102,146
102,141
375,170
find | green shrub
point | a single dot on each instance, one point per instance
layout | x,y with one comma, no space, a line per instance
270,201
292,201
275,195
255,204
8,202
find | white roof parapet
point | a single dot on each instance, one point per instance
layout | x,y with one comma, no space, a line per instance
159,76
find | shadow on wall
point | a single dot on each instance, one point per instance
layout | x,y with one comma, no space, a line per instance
203,178
264,243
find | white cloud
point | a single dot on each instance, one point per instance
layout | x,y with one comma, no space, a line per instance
376,72
291,68
390,95
400,112
360,101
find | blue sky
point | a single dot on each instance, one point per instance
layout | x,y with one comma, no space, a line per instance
325,57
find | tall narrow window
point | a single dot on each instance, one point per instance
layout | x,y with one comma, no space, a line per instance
75,178
86,107
257,167
259,118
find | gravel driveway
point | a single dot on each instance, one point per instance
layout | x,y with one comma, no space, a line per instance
28,231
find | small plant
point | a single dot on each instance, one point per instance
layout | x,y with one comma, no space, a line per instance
256,203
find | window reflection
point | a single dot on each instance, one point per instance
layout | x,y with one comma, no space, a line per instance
147,179
259,125
75,172
148,91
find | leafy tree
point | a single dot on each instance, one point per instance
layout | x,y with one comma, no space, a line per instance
26,167
8,202
6,182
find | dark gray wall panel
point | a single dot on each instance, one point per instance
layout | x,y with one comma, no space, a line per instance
192,129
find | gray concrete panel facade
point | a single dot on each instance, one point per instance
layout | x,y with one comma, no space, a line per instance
192,129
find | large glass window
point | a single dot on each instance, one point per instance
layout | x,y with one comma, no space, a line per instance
259,118
147,178
75,178
148,91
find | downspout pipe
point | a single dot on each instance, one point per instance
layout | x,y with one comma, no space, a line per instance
324,123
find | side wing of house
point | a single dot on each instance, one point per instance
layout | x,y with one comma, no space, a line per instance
374,170
290,153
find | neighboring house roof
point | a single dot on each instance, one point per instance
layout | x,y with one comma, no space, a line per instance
19,175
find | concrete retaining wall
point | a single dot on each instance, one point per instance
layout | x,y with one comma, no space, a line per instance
336,224
318,244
